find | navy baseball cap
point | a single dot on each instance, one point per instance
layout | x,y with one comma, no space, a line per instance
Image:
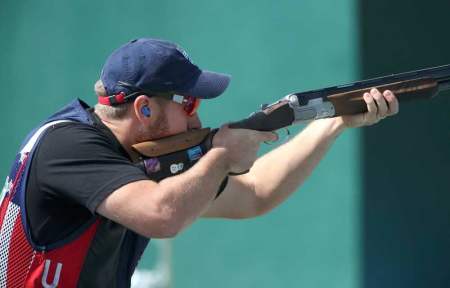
157,66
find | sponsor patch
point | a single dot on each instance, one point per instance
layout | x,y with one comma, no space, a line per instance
195,153
152,165
175,168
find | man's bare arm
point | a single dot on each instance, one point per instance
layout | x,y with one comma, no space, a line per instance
279,173
161,210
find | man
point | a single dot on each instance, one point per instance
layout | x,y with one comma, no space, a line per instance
76,212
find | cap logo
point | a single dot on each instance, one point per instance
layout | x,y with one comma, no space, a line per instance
184,54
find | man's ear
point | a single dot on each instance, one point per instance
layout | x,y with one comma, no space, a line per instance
143,108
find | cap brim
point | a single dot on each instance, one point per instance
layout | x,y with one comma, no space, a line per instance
208,85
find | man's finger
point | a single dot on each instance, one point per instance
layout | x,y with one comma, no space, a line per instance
392,102
372,110
381,103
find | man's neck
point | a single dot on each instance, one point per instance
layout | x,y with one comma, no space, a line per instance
122,130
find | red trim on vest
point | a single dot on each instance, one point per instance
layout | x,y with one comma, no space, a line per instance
3,209
70,258
20,256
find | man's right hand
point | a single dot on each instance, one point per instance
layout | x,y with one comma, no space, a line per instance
241,146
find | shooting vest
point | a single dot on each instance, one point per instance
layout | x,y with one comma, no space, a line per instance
70,262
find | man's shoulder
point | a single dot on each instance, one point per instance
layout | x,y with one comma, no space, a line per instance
63,126
71,130
69,138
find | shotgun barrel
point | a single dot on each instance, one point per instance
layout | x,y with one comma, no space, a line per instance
345,99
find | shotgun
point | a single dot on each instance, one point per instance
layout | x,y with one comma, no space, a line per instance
173,155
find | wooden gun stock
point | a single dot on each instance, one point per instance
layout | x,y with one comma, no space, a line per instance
171,144
352,102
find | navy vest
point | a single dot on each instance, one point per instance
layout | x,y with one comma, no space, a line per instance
84,259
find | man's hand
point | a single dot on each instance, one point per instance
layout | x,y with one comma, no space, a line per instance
379,106
241,146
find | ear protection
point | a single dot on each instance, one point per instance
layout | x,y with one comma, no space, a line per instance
145,110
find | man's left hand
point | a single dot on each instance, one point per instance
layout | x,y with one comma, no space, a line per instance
379,106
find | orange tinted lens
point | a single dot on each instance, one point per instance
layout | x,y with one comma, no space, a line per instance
190,105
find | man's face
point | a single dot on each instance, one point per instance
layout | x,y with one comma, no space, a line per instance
178,120
171,119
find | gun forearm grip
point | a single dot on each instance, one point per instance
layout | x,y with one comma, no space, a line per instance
352,102
270,119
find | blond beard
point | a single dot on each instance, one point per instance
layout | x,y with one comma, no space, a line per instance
157,130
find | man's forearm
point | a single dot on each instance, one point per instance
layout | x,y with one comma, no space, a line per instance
279,173
161,210
191,192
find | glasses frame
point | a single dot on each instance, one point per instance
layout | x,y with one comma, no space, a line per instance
190,103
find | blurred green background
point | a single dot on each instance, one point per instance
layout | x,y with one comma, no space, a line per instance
405,211
375,213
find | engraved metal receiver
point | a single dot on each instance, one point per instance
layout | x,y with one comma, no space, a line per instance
312,109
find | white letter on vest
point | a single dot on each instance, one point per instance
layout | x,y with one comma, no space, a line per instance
55,279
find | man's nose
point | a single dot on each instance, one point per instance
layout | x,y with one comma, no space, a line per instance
194,122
